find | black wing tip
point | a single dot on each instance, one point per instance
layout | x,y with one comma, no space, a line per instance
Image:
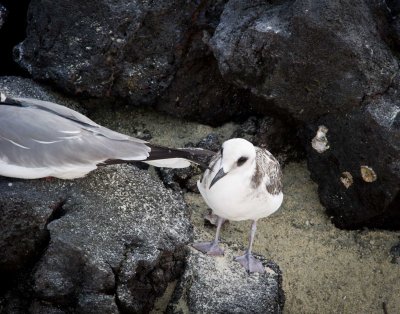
198,156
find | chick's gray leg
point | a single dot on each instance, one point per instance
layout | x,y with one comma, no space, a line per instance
248,261
211,248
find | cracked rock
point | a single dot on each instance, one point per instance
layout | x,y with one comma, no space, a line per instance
120,232
220,285
25,210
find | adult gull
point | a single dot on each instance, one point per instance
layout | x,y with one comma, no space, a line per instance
43,139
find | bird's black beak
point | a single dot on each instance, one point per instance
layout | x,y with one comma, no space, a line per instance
220,174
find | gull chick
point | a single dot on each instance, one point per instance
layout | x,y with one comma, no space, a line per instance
243,182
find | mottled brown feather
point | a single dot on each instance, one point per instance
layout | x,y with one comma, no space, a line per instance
267,165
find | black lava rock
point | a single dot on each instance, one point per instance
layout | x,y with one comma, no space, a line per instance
24,214
305,58
359,172
273,134
3,15
186,178
150,53
125,48
210,142
120,235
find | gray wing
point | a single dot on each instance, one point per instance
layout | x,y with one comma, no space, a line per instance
57,136
73,116
268,172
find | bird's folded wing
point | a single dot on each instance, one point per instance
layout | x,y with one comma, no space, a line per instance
41,138
72,115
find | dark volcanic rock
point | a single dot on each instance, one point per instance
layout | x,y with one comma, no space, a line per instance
186,178
210,142
24,87
143,52
120,235
198,90
145,273
273,134
12,32
394,7
359,174
124,47
24,214
306,58
177,179
3,15
220,285
394,31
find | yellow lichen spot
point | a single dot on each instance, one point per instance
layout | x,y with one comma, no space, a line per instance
347,179
368,174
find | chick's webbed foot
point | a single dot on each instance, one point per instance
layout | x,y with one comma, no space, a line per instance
210,248
250,263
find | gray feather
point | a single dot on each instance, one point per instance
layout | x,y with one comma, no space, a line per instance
39,138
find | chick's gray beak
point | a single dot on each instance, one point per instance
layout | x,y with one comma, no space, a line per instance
220,174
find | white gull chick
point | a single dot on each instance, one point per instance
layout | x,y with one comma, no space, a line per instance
243,182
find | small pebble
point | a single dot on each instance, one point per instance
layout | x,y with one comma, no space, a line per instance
395,253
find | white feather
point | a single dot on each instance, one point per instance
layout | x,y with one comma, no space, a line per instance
169,163
62,172
234,197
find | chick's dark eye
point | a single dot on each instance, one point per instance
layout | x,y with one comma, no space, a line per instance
241,161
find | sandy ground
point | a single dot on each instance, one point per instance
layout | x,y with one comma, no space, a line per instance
325,270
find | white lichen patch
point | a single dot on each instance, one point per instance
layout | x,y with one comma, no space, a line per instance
2,97
320,141
384,112
368,174
347,179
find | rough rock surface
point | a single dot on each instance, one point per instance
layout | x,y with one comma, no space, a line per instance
24,214
3,15
128,46
142,52
393,33
13,26
24,87
306,58
120,236
186,178
359,173
220,285
198,90
273,134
